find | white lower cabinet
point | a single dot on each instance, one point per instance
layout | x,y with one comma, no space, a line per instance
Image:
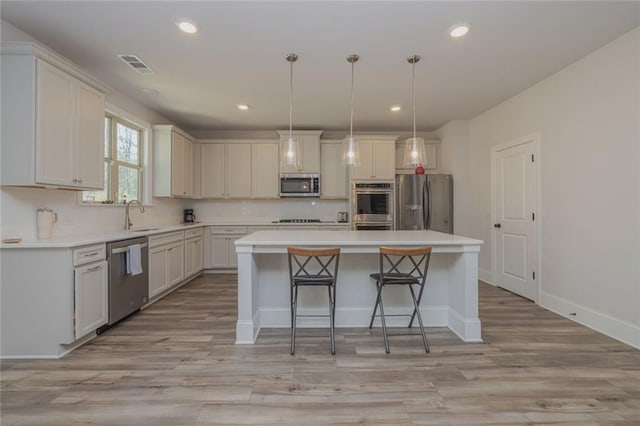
193,255
166,262
46,308
175,263
157,271
221,251
91,297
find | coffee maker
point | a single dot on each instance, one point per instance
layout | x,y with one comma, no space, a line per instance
189,217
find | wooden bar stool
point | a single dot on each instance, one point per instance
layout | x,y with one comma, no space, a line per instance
407,267
313,267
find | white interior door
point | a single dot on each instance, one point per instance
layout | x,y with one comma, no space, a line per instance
515,226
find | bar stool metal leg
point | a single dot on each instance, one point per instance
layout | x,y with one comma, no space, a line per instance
375,307
332,313
384,324
294,310
417,313
414,312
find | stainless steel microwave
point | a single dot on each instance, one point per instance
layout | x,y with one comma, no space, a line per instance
299,185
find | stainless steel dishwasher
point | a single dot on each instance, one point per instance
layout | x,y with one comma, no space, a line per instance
127,292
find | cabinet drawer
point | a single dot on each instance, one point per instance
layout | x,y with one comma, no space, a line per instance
89,254
228,230
190,233
158,240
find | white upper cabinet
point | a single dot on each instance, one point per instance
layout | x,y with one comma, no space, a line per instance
239,170
212,170
377,159
52,121
333,177
89,128
173,168
309,145
432,153
264,170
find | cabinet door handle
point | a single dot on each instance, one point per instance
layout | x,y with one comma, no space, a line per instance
79,180
95,268
93,253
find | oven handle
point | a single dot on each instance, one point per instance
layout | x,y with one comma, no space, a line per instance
372,191
125,249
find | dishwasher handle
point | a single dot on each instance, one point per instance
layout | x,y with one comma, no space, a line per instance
125,249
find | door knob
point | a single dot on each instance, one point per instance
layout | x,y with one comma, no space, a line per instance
497,225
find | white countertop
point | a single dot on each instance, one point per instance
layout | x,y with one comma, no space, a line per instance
354,238
105,237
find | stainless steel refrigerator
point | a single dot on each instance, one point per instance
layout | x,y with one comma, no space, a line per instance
424,202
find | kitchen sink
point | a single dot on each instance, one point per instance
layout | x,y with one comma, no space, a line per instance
144,229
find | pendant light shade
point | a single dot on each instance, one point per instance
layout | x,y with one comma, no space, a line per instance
290,151
350,145
414,154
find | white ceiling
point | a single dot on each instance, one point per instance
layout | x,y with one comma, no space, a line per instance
238,55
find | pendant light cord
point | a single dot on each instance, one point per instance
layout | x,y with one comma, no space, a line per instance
351,122
413,78
291,95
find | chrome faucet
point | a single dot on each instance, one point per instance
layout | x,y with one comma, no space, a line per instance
127,218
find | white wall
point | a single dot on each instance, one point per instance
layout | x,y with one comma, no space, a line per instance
587,116
454,160
18,205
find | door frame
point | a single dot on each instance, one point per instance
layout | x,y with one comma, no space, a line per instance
535,138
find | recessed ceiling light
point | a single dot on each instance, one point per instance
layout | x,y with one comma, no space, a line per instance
459,30
395,108
149,91
187,26
243,107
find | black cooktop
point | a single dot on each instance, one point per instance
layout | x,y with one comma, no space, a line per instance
299,220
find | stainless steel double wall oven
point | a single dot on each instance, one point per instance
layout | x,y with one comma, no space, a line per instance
373,205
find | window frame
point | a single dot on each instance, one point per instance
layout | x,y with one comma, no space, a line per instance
115,116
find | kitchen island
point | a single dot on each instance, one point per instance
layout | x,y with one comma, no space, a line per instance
450,298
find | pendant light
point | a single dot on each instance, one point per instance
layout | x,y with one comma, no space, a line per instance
414,147
350,145
290,155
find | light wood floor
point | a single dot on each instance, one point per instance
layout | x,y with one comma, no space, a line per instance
175,363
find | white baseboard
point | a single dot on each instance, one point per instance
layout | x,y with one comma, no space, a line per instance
618,329
486,276
220,271
467,330
63,350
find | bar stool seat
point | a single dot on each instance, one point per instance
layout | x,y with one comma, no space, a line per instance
313,267
402,266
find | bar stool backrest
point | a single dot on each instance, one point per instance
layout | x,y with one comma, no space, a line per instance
398,264
313,263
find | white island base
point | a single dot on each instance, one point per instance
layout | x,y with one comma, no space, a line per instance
450,297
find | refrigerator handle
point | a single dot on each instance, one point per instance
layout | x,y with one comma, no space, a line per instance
427,204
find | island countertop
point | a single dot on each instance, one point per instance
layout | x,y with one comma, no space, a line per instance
356,239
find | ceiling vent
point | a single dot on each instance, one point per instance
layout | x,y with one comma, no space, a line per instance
136,64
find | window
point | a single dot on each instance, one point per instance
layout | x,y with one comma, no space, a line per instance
122,164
